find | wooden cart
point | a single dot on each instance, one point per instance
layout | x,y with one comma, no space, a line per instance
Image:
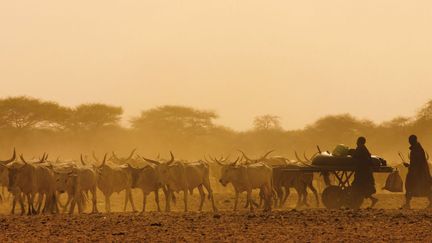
341,194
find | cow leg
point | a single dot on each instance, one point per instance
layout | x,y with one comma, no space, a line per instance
156,196
299,197
202,197
144,201
185,197
39,203
315,192
236,200
279,193
72,206
80,202
131,200
69,199
211,196
249,199
21,202
268,197
287,193
107,204
126,200
13,206
168,200
94,200
30,204
261,196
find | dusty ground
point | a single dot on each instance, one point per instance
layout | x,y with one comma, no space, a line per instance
387,223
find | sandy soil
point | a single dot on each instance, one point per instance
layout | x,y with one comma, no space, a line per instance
386,223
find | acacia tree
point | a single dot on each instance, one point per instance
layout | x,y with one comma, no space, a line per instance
26,113
175,120
267,122
94,116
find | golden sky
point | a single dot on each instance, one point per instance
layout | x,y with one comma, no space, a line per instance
296,59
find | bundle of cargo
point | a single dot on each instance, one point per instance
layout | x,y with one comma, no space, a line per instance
341,158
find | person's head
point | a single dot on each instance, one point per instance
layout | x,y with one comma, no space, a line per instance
412,139
361,141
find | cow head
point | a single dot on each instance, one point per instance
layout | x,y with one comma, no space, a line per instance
61,180
4,172
162,168
229,171
135,173
20,173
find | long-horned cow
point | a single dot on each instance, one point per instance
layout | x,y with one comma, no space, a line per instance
179,176
147,180
4,174
76,180
283,179
246,177
32,179
113,178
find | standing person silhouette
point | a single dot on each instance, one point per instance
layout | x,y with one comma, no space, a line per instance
364,182
418,180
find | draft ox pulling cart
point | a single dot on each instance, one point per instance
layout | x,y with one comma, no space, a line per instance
340,194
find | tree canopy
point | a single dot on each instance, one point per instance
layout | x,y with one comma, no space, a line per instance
25,112
177,119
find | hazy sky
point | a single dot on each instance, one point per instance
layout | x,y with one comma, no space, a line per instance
296,59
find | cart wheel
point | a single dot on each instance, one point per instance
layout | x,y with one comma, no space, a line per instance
352,198
332,197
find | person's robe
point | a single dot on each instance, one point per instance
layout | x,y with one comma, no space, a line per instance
418,180
364,182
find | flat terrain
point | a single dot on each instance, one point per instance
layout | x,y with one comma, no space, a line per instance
386,223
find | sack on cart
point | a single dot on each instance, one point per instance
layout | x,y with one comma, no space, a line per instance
394,182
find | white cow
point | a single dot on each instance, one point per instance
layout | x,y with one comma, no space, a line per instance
179,176
113,178
247,177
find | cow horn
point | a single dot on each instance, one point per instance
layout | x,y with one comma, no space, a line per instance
265,156
151,161
427,156
216,161
244,155
9,160
104,160
129,165
297,157
235,162
82,160
113,155
306,158
22,159
42,159
131,155
319,149
172,158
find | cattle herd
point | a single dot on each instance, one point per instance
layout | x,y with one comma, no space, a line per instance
36,184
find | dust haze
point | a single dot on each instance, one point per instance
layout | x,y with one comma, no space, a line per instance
99,99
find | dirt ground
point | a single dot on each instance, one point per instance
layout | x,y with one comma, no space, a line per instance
386,223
